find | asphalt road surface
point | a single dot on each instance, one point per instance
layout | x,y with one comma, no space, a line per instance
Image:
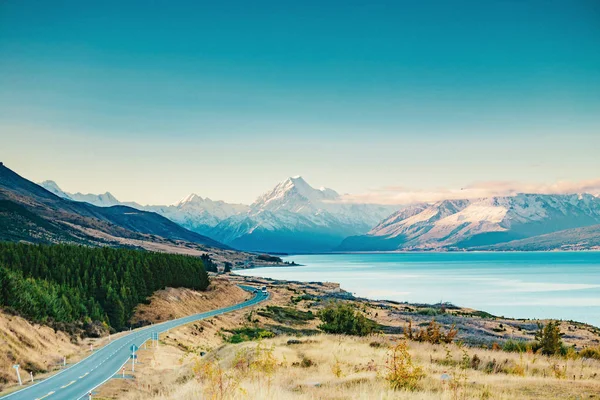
77,381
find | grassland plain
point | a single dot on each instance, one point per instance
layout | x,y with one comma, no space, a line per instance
200,360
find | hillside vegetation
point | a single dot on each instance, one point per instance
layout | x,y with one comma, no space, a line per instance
67,283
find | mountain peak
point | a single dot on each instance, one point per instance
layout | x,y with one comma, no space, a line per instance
190,198
53,188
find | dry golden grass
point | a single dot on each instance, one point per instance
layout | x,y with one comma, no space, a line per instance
341,367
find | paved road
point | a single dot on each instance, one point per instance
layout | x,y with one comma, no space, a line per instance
78,380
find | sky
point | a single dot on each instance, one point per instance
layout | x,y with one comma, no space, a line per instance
153,100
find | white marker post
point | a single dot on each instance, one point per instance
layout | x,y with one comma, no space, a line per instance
91,347
90,395
64,361
31,375
123,370
16,367
133,349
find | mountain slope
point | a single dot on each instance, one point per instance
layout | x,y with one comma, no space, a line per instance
587,238
295,217
68,215
480,222
193,212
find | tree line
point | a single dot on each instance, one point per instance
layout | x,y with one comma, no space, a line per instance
68,283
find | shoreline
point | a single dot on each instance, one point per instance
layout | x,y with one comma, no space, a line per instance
476,327
349,295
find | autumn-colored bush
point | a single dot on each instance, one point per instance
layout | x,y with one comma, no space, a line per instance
433,333
401,372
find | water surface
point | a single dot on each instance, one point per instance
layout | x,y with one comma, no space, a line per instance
560,285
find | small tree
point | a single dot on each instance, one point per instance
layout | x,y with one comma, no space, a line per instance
401,372
342,318
227,267
549,339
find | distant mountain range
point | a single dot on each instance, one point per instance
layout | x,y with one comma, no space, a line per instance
481,223
28,212
295,217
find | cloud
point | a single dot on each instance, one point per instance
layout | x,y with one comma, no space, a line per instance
402,195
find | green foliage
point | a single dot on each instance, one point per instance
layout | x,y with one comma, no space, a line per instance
245,334
431,312
227,267
591,352
66,283
302,297
266,257
209,265
519,346
287,315
549,338
342,318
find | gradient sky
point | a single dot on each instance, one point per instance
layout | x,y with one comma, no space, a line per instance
152,100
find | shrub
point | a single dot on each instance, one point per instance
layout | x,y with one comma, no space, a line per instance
519,346
591,352
245,334
549,338
342,319
306,362
401,372
433,333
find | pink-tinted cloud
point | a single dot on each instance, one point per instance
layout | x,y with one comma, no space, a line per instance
403,195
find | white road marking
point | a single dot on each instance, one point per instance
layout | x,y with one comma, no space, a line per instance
68,384
43,397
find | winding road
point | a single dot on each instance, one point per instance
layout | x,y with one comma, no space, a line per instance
105,363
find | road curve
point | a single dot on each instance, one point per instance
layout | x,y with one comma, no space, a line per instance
81,378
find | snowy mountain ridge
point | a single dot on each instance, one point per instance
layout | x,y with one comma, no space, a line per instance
485,221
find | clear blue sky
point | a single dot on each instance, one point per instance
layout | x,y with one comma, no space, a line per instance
152,100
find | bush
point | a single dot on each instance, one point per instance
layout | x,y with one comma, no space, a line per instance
433,333
401,372
519,346
591,352
246,334
342,319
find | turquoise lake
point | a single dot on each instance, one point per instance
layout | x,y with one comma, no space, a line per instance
559,285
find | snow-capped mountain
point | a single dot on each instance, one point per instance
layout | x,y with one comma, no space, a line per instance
295,217
192,212
52,187
292,217
479,222
100,200
198,214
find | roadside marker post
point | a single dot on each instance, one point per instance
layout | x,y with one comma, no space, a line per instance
133,349
90,395
64,361
31,375
91,347
16,367
123,371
